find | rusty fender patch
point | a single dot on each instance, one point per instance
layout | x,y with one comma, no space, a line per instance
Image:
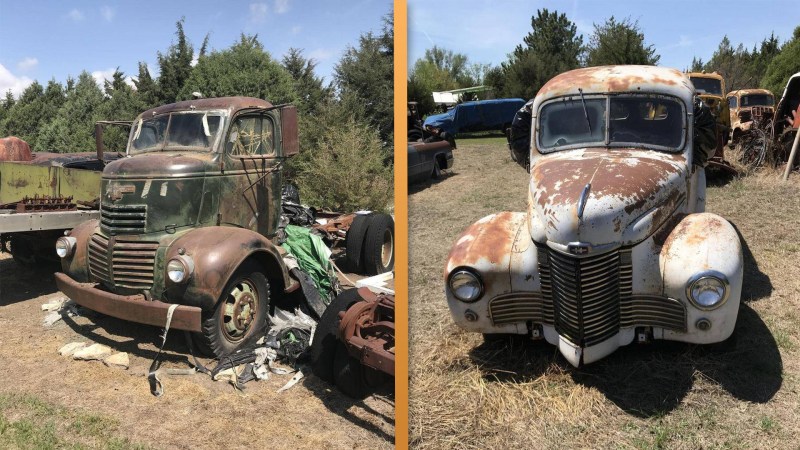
490,239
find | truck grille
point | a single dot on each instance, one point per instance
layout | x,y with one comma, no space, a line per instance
593,299
132,262
123,219
517,307
585,294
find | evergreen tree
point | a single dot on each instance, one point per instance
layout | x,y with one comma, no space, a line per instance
366,73
553,46
783,65
619,42
308,85
244,69
175,66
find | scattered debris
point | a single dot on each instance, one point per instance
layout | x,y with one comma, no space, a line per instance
120,360
71,348
93,352
51,318
54,305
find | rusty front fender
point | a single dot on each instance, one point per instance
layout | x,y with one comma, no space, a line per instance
77,265
217,252
499,249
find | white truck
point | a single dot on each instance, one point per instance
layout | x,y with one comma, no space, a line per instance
615,246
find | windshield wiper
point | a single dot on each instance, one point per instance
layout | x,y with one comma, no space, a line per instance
585,112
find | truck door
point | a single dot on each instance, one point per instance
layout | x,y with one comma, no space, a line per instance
253,175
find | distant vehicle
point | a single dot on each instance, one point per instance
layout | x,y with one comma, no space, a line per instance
710,87
741,105
428,159
484,115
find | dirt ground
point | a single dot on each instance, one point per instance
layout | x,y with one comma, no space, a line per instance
743,393
44,393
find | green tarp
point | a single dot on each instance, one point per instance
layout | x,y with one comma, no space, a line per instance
313,257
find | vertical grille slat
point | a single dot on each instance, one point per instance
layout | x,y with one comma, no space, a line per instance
131,262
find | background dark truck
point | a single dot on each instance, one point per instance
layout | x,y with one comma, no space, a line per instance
189,222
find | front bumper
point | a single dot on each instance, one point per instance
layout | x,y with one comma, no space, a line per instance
134,308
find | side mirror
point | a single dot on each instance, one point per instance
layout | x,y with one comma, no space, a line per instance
290,143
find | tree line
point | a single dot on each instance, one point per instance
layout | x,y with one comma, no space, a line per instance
348,119
554,46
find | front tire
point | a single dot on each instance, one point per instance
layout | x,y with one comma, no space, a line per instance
241,311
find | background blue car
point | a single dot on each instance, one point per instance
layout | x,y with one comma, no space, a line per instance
481,115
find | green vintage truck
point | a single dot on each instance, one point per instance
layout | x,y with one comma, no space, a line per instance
188,222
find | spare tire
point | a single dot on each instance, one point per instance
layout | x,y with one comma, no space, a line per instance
354,242
379,245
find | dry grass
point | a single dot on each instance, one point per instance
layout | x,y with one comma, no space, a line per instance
739,394
194,412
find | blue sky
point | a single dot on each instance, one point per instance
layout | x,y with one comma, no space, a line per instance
486,31
40,40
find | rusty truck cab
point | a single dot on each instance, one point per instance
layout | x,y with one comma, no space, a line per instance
196,197
615,239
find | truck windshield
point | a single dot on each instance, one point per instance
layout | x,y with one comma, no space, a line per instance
707,85
757,100
629,121
188,131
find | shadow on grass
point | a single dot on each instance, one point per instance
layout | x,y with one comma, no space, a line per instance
757,284
651,380
343,406
19,283
422,185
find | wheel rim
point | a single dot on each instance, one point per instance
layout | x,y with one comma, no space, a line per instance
240,310
387,249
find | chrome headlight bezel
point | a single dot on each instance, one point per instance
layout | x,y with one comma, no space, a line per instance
65,245
182,264
468,275
703,277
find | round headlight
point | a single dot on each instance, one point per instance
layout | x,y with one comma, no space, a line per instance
708,290
466,286
176,271
65,246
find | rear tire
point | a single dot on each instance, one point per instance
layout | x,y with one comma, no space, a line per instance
379,245
354,242
240,312
323,348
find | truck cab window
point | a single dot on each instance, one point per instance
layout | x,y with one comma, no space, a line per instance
251,136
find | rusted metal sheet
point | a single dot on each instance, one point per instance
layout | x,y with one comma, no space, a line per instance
367,329
20,180
617,79
13,148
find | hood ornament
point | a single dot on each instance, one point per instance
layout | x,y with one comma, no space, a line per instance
582,200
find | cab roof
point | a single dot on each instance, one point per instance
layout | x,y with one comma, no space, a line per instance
230,103
749,92
617,79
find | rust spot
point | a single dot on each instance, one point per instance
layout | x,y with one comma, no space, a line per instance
489,238
13,148
608,174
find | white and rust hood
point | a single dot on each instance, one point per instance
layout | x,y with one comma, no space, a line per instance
604,196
